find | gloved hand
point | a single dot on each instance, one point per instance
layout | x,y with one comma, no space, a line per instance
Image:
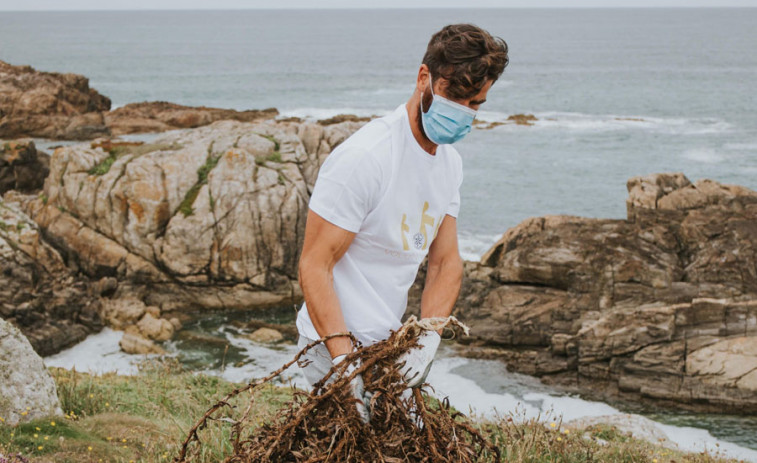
357,388
418,359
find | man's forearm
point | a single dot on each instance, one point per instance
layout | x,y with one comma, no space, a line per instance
324,309
442,288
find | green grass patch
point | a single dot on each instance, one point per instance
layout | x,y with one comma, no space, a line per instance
271,138
136,150
202,178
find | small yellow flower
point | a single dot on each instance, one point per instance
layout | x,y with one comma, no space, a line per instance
107,404
91,395
89,448
46,437
654,460
2,420
36,435
143,444
567,431
559,438
124,446
123,440
40,447
37,428
24,413
52,423
28,408
109,438
552,425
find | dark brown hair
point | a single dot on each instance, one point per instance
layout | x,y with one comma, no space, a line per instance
466,56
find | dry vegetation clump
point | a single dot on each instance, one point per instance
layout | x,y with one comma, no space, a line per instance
324,425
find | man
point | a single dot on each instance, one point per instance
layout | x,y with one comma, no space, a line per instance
384,199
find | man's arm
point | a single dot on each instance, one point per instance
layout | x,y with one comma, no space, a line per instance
325,243
445,272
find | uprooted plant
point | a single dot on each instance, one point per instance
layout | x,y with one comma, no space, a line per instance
324,425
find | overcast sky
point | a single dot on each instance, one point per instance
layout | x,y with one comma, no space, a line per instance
15,5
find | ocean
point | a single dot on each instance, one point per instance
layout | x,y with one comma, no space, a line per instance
617,93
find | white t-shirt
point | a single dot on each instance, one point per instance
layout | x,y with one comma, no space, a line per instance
381,185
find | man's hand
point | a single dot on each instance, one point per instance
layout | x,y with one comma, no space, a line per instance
418,360
357,388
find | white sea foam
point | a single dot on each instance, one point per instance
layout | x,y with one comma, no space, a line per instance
263,360
473,246
582,122
703,155
325,113
98,353
741,146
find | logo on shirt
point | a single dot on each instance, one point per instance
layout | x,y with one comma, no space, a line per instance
420,239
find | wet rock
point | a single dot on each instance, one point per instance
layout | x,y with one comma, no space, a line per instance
159,116
156,329
118,313
22,167
27,390
265,335
51,306
522,119
49,105
134,343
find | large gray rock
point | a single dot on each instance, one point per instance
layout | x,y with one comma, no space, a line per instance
211,217
27,390
661,306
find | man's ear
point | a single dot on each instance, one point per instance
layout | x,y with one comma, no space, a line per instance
422,79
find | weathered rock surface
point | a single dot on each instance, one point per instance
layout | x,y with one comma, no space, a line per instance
133,342
49,105
22,167
662,305
38,293
160,116
27,390
206,218
266,335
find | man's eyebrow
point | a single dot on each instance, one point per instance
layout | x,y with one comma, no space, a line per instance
477,102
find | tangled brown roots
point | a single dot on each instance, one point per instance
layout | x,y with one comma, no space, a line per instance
324,425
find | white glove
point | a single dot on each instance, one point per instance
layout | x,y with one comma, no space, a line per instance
357,388
418,359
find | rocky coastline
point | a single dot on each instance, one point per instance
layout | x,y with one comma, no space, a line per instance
661,306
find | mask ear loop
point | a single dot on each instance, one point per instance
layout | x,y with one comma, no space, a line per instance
431,86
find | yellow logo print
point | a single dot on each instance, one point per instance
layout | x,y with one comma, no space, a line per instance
420,239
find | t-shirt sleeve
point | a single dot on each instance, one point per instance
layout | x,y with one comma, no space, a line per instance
347,187
454,206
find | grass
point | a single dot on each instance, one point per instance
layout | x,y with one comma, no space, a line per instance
146,418
137,150
202,178
273,157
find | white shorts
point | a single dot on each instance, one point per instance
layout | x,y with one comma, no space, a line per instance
319,358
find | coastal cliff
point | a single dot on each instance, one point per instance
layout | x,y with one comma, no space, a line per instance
661,306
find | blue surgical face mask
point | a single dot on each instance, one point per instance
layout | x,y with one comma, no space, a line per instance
446,121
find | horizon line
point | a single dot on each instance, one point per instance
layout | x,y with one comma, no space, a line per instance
621,7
